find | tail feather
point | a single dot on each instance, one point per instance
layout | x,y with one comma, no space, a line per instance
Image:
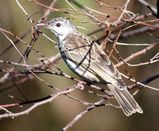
125,100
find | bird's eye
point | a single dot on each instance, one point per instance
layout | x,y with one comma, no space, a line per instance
58,24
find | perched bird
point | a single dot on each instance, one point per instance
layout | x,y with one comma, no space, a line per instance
87,59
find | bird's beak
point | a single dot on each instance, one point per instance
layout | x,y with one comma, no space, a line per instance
45,25
42,25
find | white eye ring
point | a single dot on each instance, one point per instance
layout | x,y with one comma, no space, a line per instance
58,24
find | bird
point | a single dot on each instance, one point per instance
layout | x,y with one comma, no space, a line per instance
87,59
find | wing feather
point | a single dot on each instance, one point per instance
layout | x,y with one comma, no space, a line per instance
91,62
92,56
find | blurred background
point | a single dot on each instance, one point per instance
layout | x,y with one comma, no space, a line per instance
53,116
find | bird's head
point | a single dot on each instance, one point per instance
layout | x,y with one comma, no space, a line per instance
61,27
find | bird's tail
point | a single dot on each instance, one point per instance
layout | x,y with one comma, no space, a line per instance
125,99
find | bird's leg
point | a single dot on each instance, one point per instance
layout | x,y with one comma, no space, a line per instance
81,85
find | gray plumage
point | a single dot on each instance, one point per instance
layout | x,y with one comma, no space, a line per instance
87,59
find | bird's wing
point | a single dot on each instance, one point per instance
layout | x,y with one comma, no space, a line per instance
92,58
104,67
93,62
